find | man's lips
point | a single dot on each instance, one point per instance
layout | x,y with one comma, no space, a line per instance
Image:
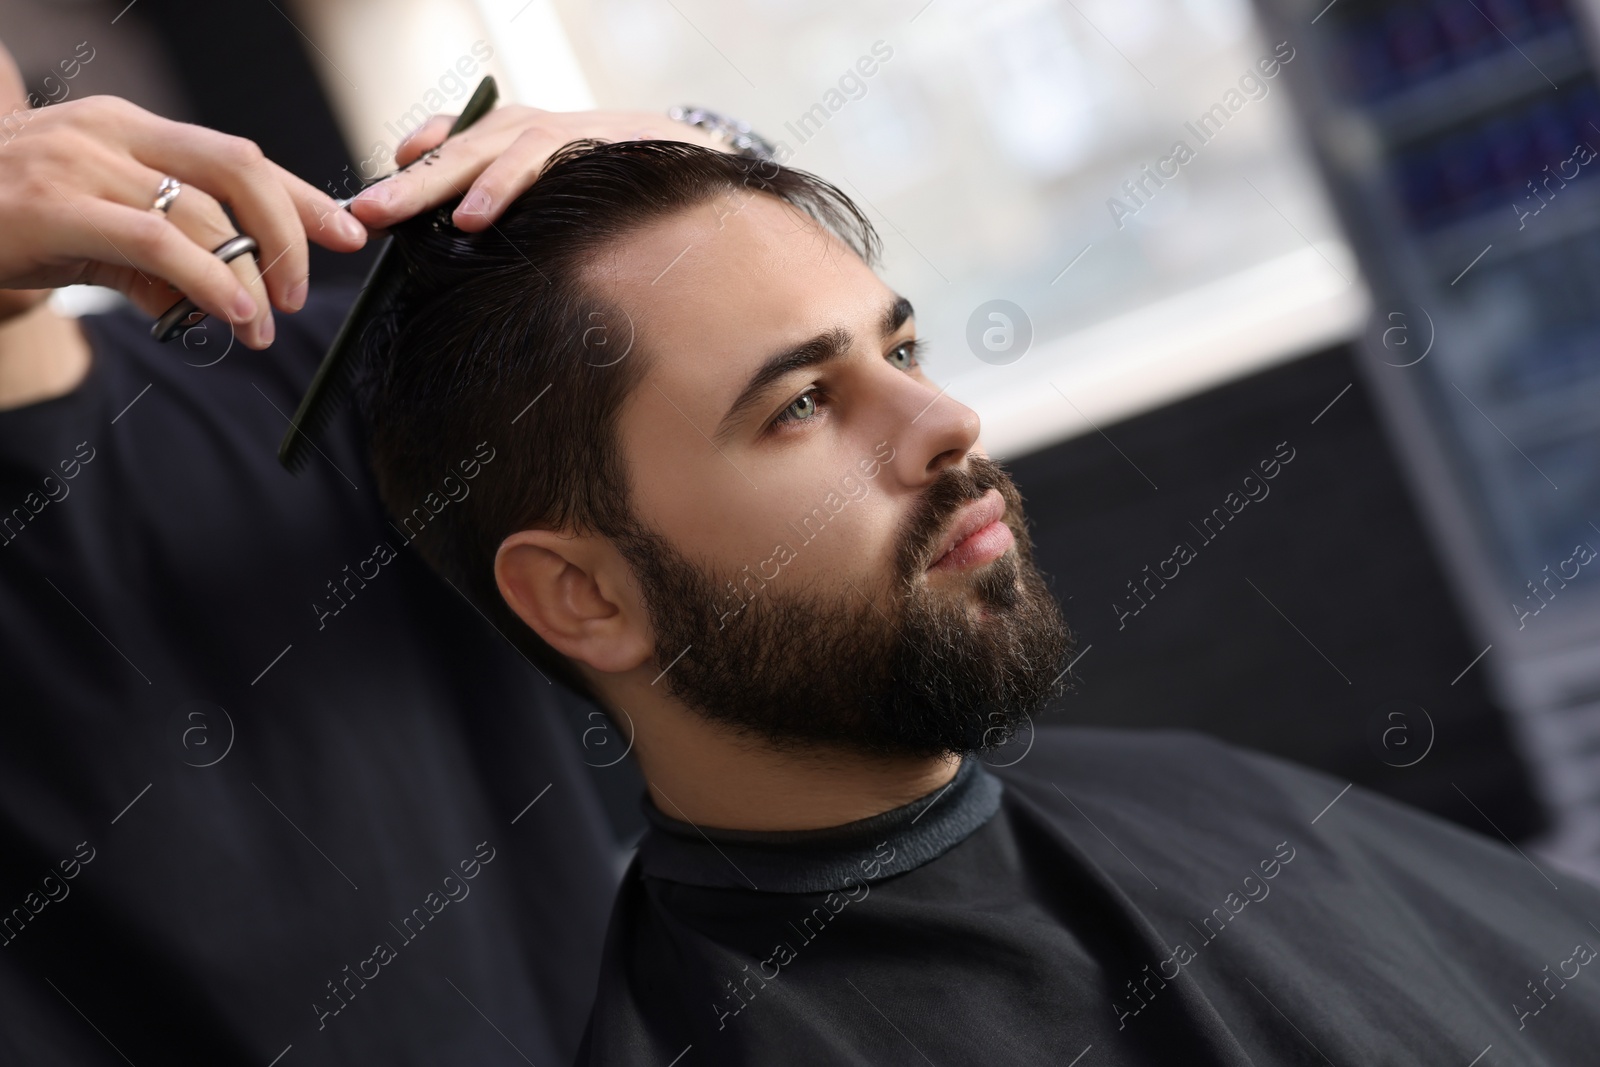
977,535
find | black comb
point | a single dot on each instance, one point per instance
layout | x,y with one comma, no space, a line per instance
331,384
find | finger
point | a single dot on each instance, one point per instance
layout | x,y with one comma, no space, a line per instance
458,161
155,249
199,217
153,296
426,185
147,292
505,179
324,221
234,171
258,332
430,134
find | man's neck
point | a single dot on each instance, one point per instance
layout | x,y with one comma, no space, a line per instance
706,775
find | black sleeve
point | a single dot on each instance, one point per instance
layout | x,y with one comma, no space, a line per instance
122,356
207,703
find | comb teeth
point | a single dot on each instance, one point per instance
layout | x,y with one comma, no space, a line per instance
295,451
331,384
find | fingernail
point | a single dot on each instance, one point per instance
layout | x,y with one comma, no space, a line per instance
297,294
476,203
267,331
375,194
350,226
244,308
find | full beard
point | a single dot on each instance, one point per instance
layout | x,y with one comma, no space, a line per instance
804,667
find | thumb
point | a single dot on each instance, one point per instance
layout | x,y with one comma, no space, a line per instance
13,93
14,97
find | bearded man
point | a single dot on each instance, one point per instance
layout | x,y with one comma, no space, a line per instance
729,505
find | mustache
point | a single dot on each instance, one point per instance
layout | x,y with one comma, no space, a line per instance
954,489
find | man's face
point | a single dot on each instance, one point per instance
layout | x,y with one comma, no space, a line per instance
796,475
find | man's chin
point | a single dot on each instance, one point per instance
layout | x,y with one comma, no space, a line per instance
988,600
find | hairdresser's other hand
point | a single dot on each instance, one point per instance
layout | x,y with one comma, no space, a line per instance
77,181
497,159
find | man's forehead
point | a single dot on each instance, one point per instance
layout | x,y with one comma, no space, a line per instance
713,288
738,236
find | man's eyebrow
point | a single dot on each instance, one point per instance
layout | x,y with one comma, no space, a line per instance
823,348
898,315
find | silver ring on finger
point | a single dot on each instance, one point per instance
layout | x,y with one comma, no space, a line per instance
234,247
167,192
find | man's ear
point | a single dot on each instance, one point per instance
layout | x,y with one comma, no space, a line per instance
576,591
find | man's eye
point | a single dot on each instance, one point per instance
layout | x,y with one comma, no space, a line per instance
803,408
903,356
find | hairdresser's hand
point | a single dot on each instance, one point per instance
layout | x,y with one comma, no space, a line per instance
77,180
497,159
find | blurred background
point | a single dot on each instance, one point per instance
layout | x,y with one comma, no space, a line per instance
1163,247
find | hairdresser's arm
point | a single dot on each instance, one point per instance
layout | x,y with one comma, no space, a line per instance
490,164
77,181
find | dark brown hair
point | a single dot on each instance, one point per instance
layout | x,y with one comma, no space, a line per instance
491,385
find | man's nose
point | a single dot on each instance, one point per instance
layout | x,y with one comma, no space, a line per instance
929,431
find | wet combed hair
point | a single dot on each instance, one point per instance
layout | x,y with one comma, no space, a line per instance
494,347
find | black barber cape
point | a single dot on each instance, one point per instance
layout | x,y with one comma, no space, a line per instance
1113,898
261,771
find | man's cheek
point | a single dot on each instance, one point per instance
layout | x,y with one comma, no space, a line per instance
872,551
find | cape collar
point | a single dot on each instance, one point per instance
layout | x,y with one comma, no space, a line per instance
819,861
